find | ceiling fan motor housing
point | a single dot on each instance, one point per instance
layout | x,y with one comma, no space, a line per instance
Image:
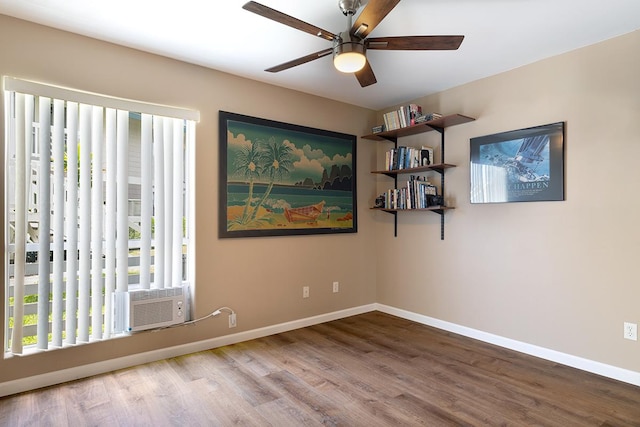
346,43
349,7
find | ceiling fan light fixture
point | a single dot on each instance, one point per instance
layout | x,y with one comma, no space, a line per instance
349,57
350,46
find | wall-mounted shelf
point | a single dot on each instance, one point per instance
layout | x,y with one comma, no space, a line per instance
437,125
436,209
440,167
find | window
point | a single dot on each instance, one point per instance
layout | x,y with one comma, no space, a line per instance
98,200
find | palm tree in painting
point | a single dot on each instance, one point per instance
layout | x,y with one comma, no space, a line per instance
277,161
248,165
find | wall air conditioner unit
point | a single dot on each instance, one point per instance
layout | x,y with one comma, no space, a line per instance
148,308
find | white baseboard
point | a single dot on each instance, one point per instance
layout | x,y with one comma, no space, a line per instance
594,367
58,377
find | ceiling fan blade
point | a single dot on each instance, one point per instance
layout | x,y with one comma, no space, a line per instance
366,76
415,43
285,19
300,61
371,16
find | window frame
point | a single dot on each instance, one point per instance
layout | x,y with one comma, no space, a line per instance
188,117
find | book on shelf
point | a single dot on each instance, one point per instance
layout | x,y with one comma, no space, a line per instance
426,156
402,152
389,121
392,120
414,154
391,159
402,115
415,111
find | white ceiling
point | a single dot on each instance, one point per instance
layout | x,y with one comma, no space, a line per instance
499,35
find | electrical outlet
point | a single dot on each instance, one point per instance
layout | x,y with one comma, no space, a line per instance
631,331
232,320
305,292
336,287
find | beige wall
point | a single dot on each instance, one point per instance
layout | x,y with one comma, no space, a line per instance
561,275
260,278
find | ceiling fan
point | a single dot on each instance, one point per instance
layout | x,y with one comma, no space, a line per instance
350,46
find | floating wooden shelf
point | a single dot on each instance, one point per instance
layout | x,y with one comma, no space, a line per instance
436,209
441,123
439,167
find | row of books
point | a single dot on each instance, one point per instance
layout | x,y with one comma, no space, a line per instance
408,157
406,115
402,117
418,193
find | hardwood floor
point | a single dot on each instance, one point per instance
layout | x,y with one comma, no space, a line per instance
367,370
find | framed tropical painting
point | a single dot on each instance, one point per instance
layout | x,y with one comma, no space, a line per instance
279,179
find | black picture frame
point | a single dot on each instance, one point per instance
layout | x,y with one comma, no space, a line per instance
525,165
280,179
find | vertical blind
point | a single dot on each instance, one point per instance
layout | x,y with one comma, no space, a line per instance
97,201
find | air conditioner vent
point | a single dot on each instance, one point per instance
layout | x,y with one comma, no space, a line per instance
148,308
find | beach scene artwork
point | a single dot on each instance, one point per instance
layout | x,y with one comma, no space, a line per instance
284,179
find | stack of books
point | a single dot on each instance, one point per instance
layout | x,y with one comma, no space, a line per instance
428,117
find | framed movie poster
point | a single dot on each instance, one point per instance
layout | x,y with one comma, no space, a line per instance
280,179
525,165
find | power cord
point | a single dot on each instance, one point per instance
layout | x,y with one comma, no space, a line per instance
232,319
212,314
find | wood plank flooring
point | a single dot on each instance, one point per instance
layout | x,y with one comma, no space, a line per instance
368,370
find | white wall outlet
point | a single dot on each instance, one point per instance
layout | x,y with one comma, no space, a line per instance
232,320
336,287
305,292
631,331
